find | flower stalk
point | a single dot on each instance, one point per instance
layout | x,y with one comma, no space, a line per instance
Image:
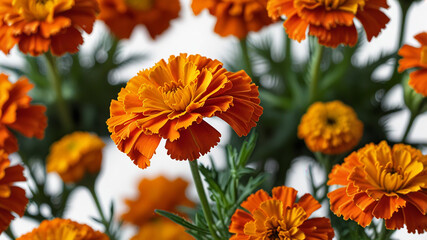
10,234
315,72
203,199
246,57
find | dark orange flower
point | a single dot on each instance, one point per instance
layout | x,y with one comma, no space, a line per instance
156,194
17,113
39,25
171,99
331,21
12,198
382,182
122,16
235,17
413,57
64,229
279,217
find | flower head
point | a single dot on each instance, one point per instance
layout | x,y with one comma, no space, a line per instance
63,229
163,229
18,114
74,155
330,128
171,99
235,17
12,198
382,182
122,16
331,21
158,193
279,217
39,25
416,57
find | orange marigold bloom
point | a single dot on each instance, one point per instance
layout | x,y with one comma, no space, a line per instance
331,21
235,17
382,182
39,25
122,16
74,155
279,217
330,128
156,194
12,198
63,229
413,57
163,229
17,113
170,101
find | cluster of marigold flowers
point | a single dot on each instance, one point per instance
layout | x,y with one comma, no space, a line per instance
171,100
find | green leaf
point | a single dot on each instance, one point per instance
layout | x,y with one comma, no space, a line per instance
181,221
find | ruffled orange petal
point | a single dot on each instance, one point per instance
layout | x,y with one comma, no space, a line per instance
296,28
254,200
372,18
67,41
418,81
317,229
422,38
418,199
335,36
286,195
410,57
414,219
7,141
386,206
309,204
34,44
239,220
31,121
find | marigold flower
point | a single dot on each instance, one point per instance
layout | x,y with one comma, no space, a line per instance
63,229
235,17
156,194
331,21
12,198
39,25
382,182
16,113
413,57
122,16
279,217
162,229
75,155
330,128
170,101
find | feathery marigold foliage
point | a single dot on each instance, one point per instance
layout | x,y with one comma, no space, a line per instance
416,57
170,100
279,217
158,193
40,26
161,229
12,198
63,229
18,114
235,17
330,128
75,155
382,182
122,16
332,22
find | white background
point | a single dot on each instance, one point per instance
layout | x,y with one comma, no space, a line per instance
190,34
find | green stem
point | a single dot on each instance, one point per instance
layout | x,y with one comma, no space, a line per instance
55,79
10,234
203,199
385,233
246,58
315,72
104,220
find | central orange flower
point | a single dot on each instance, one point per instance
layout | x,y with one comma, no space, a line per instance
382,182
171,99
40,25
235,17
331,21
279,217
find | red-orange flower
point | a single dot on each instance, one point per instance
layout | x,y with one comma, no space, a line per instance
279,217
382,182
331,21
12,198
158,193
235,17
413,57
171,99
122,16
39,25
17,113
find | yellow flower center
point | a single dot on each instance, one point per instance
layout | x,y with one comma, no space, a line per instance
424,55
41,10
177,96
140,4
